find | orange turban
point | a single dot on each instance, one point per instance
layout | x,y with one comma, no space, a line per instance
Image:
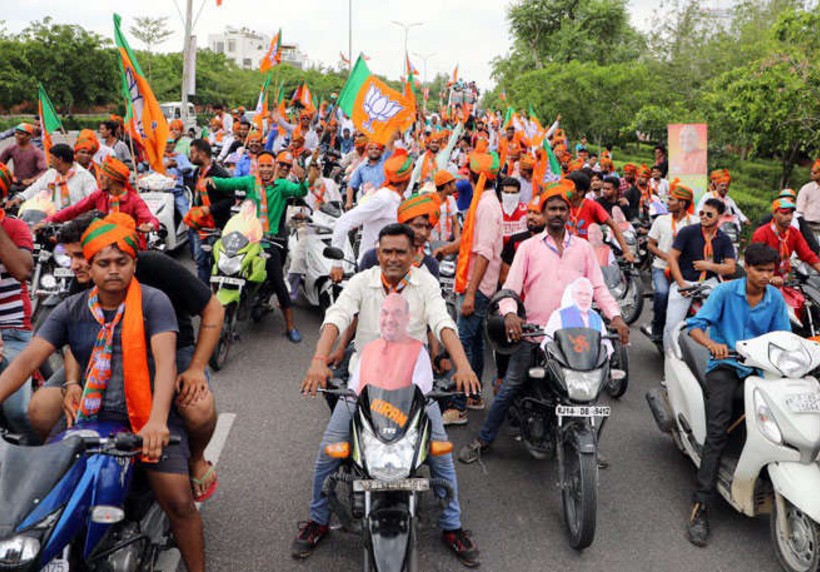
575,165
682,193
5,180
116,170
25,128
427,204
117,229
255,136
87,139
486,164
360,142
630,169
644,172
562,189
720,176
482,145
177,124
527,162
607,164
399,167
787,194
442,177
116,119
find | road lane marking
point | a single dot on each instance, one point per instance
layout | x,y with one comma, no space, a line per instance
168,561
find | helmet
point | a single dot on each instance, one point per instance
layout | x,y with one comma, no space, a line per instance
496,330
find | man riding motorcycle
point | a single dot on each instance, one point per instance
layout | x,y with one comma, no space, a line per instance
364,295
737,310
542,268
782,236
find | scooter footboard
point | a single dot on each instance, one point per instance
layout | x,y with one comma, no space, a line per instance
799,484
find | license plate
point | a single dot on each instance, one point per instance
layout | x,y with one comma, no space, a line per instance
446,281
804,403
582,411
416,485
63,273
56,565
227,280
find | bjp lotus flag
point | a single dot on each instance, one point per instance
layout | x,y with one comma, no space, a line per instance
274,55
144,113
262,105
303,97
376,109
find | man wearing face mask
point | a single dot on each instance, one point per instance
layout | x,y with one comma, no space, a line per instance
515,211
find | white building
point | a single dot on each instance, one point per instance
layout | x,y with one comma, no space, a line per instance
247,48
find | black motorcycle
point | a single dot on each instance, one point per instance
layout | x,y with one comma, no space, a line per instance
557,413
447,279
390,443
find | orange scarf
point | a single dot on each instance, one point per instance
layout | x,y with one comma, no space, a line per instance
61,183
428,165
708,251
466,246
785,265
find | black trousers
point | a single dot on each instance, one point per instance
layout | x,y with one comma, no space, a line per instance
722,386
275,282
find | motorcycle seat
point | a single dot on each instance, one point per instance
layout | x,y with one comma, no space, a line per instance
695,357
27,476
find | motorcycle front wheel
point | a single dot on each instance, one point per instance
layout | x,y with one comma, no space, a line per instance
579,492
799,549
226,337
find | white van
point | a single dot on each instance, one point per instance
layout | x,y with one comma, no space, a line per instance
173,110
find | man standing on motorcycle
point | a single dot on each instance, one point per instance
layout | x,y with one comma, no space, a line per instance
542,269
700,253
661,236
67,182
270,192
364,295
782,236
112,330
737,310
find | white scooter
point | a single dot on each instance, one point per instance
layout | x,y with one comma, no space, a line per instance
158,193
316,286
775,471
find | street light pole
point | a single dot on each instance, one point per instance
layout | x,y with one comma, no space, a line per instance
406,28
186,71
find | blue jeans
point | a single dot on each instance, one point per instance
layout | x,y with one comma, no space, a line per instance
338,430
659,300
15,408
516,377
180,202
203,260
471,333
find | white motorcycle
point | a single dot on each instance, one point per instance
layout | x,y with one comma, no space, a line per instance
776,470
158,193
320,257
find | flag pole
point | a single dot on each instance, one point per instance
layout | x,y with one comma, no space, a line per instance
133,158
186,70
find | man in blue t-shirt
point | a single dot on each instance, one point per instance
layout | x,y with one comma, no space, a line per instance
700,253
737,310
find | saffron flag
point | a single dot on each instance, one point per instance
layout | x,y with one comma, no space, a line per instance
376,110
49,120
148,123
262,105
455,74
304,98
409,69
274,55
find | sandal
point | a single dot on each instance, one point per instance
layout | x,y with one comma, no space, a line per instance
197,483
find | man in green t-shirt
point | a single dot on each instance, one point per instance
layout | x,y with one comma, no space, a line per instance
270,189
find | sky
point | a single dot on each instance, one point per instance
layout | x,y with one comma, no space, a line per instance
467,33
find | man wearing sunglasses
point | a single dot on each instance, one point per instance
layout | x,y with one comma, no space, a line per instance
700,253
787,240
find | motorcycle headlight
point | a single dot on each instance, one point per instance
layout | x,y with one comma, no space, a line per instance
230,265
583,385
389,461
18,551
792,364
766,421
62,259
48,281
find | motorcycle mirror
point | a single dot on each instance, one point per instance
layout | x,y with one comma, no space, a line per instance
333,253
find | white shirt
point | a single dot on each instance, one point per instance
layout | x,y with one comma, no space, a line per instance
372,214
445,221
729,202
660,188
808,202
80,186
364,295
662,232
422,374
331,193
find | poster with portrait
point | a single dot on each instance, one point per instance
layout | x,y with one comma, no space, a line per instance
576,311
688,155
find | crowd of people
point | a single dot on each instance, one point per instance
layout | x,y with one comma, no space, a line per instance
525,212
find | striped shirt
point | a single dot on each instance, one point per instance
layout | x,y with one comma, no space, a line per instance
15,304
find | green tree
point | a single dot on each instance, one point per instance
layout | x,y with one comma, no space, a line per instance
151,32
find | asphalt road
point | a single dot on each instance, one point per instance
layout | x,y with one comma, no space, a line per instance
514,510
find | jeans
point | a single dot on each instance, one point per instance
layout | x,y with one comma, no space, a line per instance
471,333
516,377
722,387
338,430
15,408
660,283
203,259
676,309
180,202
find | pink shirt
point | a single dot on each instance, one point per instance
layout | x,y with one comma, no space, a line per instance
487,241
542,275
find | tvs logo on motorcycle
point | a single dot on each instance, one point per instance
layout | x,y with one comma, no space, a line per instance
580,344
389,411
